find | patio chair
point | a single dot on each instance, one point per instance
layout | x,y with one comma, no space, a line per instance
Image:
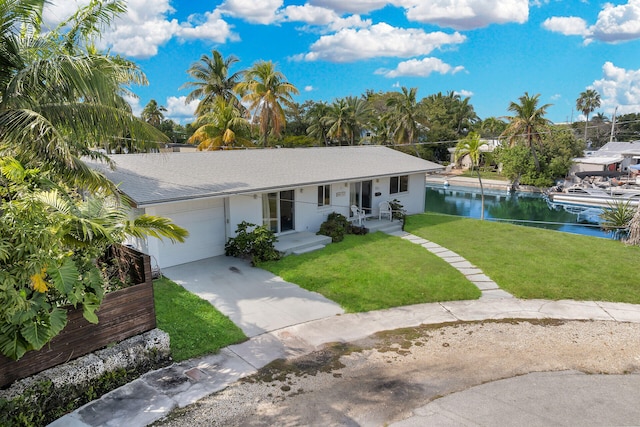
384,209
357,214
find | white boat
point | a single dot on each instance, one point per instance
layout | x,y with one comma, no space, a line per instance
596,196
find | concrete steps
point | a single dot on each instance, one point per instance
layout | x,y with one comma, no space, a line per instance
301,242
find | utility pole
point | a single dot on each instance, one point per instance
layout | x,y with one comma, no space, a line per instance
613,124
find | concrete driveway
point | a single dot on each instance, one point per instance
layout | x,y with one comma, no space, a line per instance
254,299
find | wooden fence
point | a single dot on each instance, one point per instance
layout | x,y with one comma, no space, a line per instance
122,314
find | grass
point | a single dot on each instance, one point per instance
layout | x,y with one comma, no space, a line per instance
373,272
536,263
484,174
194,326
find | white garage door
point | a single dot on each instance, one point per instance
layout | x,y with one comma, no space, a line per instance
207,232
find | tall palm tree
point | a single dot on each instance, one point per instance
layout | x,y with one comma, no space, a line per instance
265,90
405,116
153,113
471,146
222,127
464,114
527,123
211,79
336,121
59,98
492,127
359,114
587,102
318,129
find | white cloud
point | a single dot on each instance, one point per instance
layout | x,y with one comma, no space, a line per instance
309,88
618,23
350,6
320,16
619,88
464,93
569,26
54,13
209,26
615,23
146,26
420,68
380,40
178,111
256,11
466,14
134,102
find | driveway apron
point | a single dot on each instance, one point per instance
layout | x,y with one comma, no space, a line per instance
254,299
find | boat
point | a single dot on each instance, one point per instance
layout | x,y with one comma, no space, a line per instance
594,196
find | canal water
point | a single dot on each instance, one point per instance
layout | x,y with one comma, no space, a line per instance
515,207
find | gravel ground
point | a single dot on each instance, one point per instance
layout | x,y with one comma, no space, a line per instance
381,379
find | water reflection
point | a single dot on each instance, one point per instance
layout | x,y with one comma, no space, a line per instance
520,208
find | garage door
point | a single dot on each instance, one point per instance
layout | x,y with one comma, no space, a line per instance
207,232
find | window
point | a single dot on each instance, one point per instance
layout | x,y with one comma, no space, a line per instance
324,195
399,184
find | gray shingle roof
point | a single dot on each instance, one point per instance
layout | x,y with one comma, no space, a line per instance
162,177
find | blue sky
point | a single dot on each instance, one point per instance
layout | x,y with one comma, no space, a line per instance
492,51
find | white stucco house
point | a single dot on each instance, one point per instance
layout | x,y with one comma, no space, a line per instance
289,190
613,156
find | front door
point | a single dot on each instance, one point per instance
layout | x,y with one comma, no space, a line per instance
360,195
278,211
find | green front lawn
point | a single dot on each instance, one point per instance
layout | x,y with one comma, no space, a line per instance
373,272
194,326
536,263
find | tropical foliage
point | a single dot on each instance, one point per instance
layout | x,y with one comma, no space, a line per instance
222,127
60,99
587,102
527,124
266,90
472,146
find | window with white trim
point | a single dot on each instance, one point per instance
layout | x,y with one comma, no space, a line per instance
324,195
399,184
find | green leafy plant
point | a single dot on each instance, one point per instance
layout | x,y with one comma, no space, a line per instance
336,226
50,242
253,242
398,211
616,218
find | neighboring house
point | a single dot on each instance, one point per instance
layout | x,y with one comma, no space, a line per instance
289,190
613,156
465,161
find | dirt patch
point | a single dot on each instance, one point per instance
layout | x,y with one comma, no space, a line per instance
381,379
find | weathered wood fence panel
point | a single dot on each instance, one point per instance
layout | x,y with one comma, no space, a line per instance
123,314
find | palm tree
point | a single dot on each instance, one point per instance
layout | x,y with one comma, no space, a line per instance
211,80
153,113
527,123
465,115
223,126
59,98
318,129
359,115
405,116
265,90
336,121
471,146
492,127
587,102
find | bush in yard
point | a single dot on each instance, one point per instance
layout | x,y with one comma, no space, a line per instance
336,226
397,211
256,244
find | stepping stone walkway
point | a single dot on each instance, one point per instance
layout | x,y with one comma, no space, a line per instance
488,287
